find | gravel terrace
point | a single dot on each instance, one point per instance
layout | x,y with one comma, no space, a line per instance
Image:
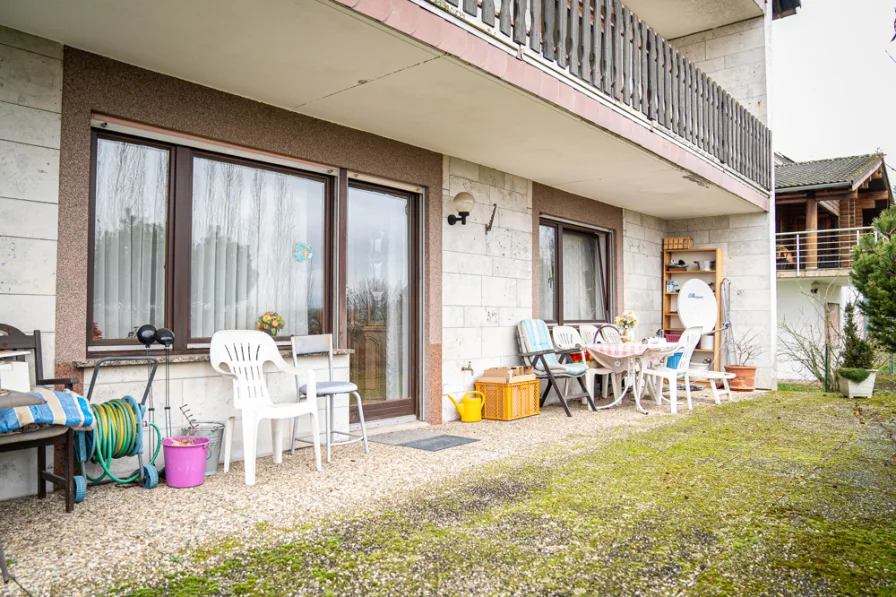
789,493
126,532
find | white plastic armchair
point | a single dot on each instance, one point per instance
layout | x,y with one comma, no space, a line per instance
567,337
589,334
606,334
686,345
610,334
241,355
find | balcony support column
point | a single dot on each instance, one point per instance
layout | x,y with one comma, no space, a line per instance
812,236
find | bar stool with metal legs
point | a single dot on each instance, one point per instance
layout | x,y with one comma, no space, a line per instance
327,391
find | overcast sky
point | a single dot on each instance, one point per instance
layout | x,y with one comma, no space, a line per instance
833,84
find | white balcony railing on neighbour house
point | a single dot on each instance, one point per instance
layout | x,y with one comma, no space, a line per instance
606,49
813,250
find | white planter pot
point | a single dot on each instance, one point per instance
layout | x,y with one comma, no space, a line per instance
852,389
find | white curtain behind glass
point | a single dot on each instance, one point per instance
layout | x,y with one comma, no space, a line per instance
583,286
247,224
547,249
129,237
378,280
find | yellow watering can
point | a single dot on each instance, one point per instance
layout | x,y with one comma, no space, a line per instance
470,408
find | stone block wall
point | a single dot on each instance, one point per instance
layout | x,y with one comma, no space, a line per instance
735,57
748,244
30,105
30,124
643,281
486,277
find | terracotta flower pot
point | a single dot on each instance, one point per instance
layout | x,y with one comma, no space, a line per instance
744,380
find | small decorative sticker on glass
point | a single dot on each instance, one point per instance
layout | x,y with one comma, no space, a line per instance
303,252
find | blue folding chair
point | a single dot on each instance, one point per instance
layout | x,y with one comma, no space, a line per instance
551,363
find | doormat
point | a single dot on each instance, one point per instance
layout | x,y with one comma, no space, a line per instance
421,440
396,438
439,442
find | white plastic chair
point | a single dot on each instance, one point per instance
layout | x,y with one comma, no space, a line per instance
610,334
686,345
588,332
244,353
567,337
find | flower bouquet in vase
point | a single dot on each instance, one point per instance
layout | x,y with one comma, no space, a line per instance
270,322
627,322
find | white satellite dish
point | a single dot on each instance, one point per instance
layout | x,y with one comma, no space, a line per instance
697,305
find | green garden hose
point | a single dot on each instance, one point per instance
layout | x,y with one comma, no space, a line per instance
117,433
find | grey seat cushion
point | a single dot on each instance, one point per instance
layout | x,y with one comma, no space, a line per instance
13,399
27,436
325,388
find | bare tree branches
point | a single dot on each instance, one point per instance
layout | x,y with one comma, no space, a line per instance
747,347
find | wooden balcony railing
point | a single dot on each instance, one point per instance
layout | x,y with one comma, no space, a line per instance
607,48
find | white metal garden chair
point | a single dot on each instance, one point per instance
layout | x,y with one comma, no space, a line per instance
244,354
686,345
567,337
328,391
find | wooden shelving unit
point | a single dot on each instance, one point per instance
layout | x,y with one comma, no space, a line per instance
671,322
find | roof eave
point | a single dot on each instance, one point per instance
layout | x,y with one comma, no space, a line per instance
815,187
869,172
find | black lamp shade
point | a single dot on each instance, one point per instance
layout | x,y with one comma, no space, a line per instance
165,337
146,334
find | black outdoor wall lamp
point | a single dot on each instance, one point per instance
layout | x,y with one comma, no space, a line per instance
463,204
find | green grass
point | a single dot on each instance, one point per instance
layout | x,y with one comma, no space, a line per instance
800,386
789,494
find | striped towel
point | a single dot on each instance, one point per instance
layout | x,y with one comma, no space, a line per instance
59,408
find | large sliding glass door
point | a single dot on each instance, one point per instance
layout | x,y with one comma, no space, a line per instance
380,298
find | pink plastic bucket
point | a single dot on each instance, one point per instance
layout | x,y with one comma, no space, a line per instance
185,465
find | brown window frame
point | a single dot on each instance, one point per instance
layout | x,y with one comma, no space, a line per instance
178,242
609,280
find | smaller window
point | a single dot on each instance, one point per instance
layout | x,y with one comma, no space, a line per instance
575,276
548,255
129,237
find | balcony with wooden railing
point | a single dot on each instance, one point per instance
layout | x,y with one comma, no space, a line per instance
604,47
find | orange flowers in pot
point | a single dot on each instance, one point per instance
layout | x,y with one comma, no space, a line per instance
270,322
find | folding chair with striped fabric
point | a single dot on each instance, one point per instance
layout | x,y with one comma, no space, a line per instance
551,363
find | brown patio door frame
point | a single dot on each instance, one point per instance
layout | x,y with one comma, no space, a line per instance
388,408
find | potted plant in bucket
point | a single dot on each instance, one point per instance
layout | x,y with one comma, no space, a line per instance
856,373
746,349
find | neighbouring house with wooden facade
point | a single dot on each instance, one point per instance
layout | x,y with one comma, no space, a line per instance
822,208
196,165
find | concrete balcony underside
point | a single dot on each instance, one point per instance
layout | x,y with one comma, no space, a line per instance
677,18
838,276
404,73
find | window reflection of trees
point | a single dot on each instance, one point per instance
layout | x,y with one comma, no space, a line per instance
377,293
246,224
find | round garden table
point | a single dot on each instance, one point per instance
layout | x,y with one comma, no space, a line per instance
630,356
